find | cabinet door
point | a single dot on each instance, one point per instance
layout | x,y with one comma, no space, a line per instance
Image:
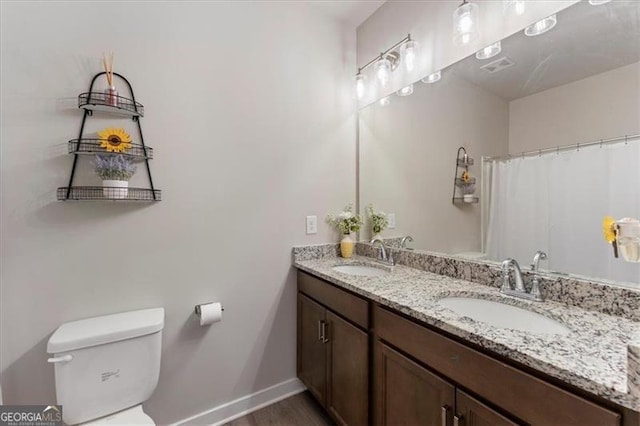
471,412
408,394
348,372
312,358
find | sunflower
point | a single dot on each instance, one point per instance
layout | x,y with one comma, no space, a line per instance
465,177
609,229
114,140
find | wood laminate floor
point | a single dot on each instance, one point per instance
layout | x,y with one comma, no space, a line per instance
298,410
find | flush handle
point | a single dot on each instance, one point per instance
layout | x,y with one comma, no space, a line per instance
64,358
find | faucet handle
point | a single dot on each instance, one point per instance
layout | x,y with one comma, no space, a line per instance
390,259
535,289
506,280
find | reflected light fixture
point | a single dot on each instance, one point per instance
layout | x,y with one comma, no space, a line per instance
489,51
432,78
518,6
408,53
541,26
465,23
383,71
361,85
598,2
405,91
385,101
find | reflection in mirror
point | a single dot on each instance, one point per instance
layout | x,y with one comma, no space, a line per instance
552,122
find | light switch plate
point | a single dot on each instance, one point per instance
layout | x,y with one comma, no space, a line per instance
391,217
312,225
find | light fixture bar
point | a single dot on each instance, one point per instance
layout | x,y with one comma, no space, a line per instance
385,53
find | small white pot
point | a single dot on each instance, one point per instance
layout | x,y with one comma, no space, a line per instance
468,198
115,189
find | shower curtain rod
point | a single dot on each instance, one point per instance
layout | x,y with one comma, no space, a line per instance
562,148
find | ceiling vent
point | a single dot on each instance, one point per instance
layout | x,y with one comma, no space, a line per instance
498,65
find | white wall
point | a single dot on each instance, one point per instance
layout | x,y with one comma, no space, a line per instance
408,157
249,110
602,106
430,23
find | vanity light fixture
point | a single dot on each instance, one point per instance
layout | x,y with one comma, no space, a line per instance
387,62
465,23
361,85
518,6
408,53
489,51
383,71
385,101
433,78
541,26
598,2
405,91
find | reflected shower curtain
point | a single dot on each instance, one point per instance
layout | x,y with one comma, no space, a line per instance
555,202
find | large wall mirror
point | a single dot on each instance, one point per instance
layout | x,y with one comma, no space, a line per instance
517,114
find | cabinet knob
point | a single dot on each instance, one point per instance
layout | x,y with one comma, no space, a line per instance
444,413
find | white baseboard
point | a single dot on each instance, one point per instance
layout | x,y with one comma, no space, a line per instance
242,406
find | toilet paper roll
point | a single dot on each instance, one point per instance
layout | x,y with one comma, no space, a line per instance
210,313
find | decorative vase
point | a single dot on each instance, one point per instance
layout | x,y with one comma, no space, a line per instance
111,96
115,189
346,246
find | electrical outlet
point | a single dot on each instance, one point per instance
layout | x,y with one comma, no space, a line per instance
312,225
391,217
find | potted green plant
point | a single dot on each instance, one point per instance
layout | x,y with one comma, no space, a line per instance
346,223
115,172
379,221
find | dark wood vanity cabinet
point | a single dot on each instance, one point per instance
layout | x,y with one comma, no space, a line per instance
333,349
420,376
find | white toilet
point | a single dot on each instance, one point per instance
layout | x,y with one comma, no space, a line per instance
106,367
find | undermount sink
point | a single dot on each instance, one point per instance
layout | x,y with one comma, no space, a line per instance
504,316
360,270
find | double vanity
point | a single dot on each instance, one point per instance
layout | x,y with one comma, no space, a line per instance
391,345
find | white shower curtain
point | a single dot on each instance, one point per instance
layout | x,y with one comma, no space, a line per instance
556,202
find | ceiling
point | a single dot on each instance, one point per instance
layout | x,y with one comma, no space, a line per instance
586,41
351,12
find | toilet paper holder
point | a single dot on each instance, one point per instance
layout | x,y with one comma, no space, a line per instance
198,311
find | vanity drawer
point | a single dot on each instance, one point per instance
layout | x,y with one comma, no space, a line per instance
525,396
346,304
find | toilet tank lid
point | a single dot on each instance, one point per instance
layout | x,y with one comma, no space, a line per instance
105,329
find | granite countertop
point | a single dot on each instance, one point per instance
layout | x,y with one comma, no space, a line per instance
592,357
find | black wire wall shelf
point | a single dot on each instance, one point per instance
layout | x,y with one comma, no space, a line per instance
461,182
468,200
105,193
460,186
115,104
86,146
107,102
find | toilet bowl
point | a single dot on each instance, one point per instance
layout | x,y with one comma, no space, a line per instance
130,416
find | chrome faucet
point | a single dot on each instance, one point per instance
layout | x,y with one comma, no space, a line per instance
518,290
540,255
535,267
383,251
403,243
506,277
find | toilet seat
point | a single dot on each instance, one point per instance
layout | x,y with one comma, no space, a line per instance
130,416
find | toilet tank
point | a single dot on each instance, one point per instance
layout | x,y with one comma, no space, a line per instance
114,363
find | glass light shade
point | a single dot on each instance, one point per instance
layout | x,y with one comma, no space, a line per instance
598,2
541,26
408,53
432,78
383,71
465,23
361,86
385,101
518,6
489,51
405,91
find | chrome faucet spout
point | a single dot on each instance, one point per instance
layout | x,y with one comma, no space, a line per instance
540,255
386,256
403,243
506,266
